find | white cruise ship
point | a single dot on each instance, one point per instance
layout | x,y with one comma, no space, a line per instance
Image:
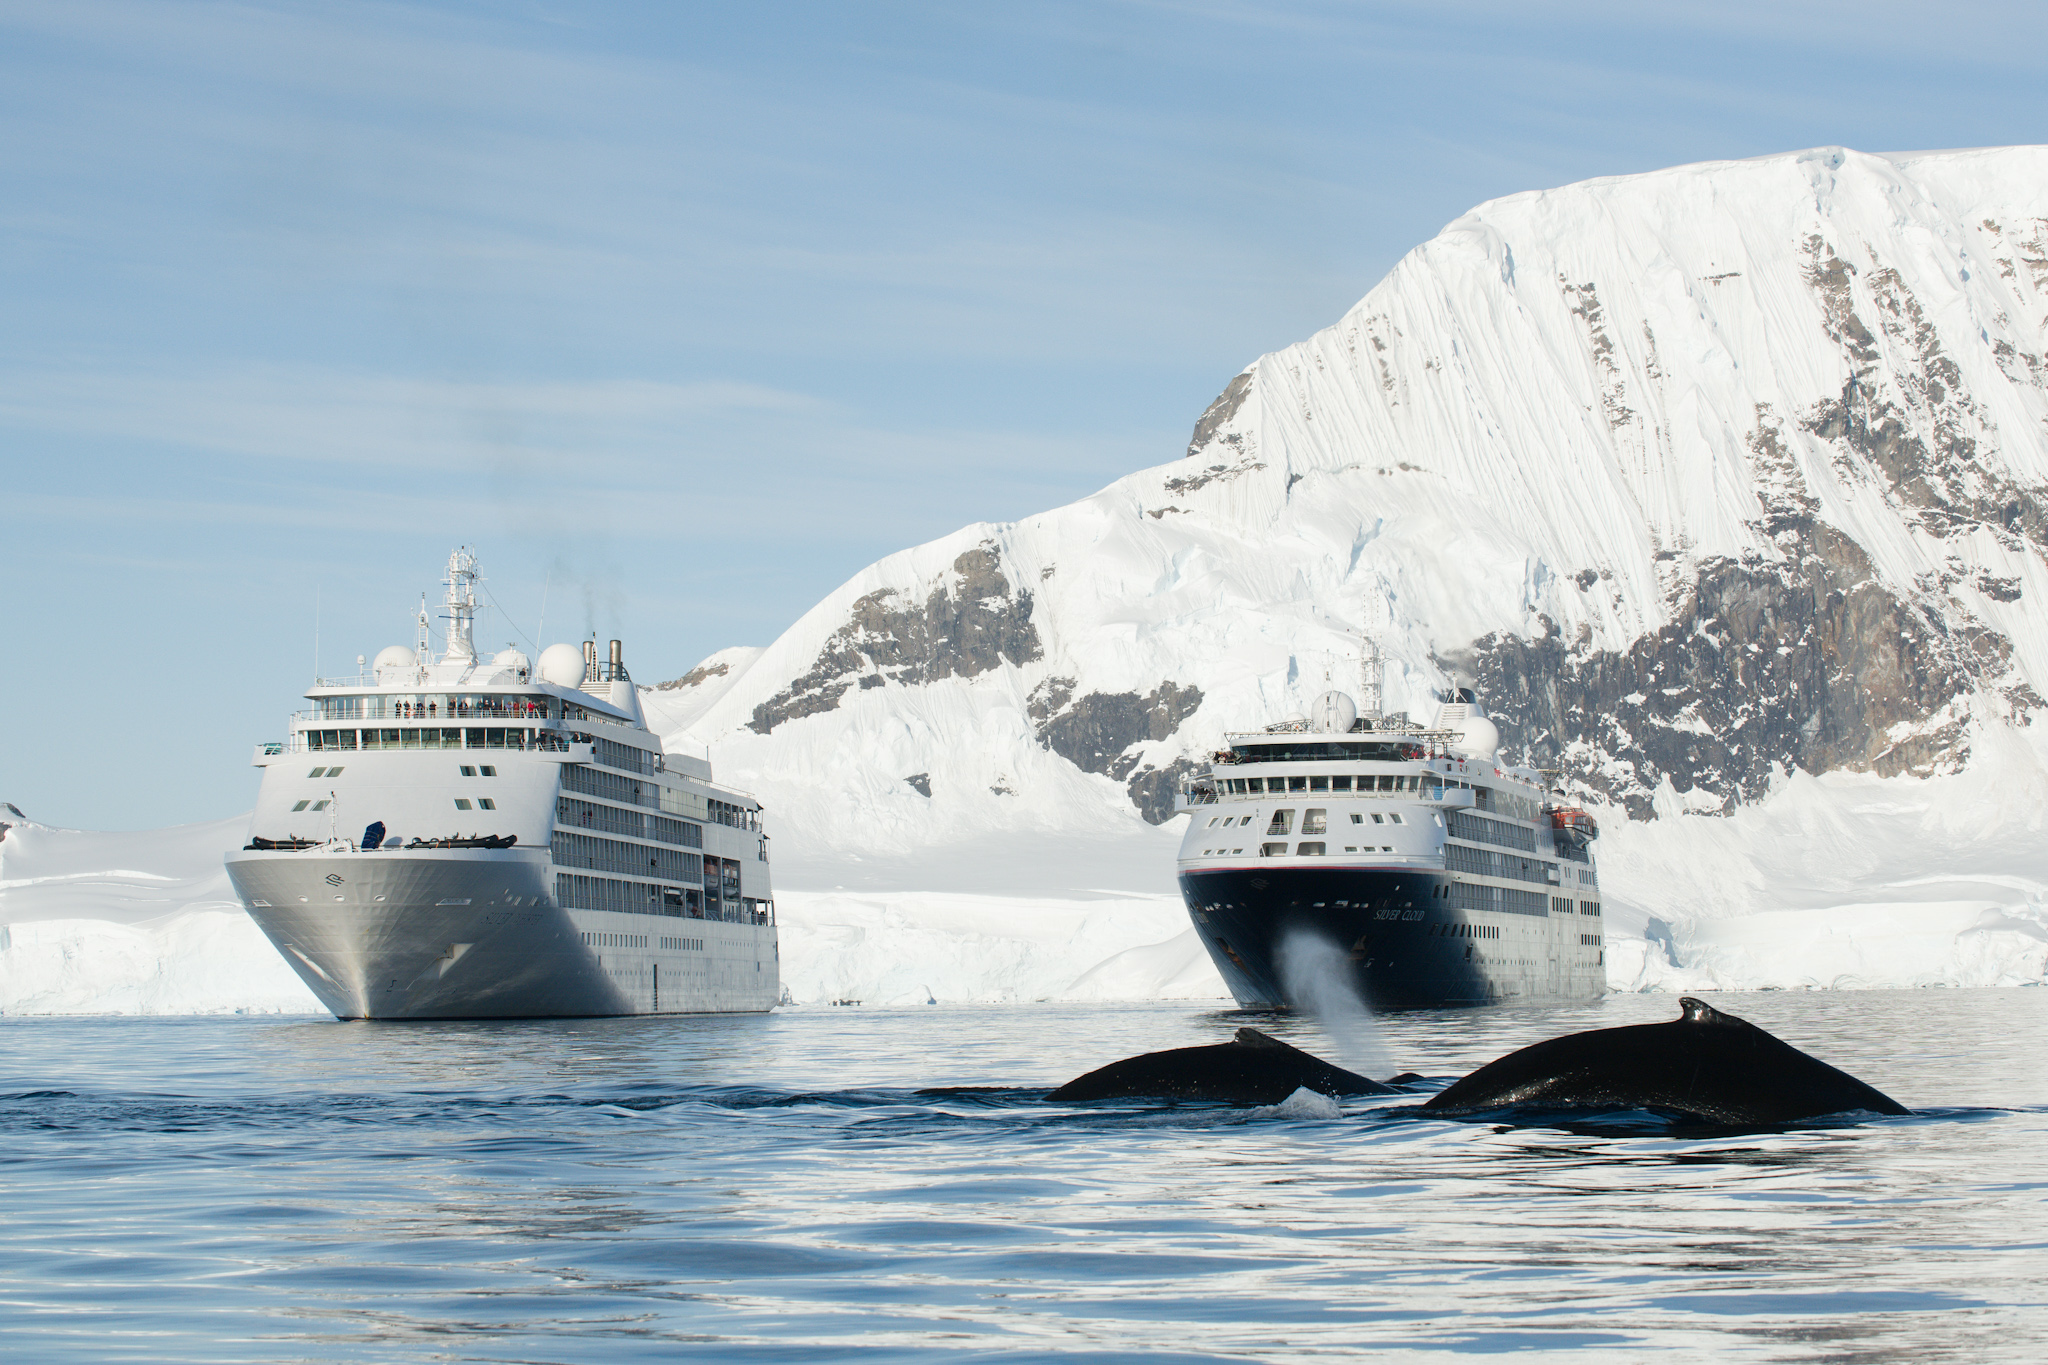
1440,874
466,838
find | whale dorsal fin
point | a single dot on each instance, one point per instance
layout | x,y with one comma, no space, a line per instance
1693,1011
1251,1037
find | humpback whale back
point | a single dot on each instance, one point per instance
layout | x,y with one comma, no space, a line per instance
1253,1068
1705,1064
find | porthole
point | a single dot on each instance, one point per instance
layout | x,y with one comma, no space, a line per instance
461,804
486,803
302,805
317,772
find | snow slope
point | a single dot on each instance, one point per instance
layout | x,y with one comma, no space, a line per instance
1700,473
1842,880
133,923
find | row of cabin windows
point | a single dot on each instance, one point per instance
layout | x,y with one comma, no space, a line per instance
461,803
1314,820
637,824
429,737
1322,782
1561,906
717,899
423,704
739,817
468,770
1306,849
1313,849
611,855
1483,798
600,939
1465,930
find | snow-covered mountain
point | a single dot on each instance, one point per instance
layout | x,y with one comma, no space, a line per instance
1703,476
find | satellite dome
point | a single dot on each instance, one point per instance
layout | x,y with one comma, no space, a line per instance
393,656
562,665
510,658
1333,713
1478,737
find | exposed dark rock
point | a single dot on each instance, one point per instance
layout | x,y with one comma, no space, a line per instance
1806,660
1584,303
976,623
1096,733
921,783
1911,420
1221,411
1997,589
701,674
1153,790
1188,483
1805,663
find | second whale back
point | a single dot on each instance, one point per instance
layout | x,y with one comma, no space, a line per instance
1704,1064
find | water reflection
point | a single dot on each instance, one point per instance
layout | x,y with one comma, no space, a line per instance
732,1188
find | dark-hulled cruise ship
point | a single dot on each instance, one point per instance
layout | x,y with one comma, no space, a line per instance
1410,852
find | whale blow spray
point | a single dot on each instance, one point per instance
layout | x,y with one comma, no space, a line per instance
1315,974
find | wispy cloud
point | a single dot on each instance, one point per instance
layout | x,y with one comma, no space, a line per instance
344,418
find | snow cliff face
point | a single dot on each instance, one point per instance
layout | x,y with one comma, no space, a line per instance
1701,476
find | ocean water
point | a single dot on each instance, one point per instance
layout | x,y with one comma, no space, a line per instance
775,1189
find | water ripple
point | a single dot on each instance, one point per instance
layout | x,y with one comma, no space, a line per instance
860,1185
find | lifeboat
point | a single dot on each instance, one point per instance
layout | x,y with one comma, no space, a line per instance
1573,822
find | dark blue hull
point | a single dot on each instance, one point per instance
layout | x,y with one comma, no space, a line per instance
1399,934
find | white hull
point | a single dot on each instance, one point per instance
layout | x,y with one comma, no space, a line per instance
468,934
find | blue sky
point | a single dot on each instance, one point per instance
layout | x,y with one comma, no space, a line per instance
695,310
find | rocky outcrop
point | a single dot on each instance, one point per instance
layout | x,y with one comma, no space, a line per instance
696,677
1804,657
1219,413
1100,732
1805,661
974,623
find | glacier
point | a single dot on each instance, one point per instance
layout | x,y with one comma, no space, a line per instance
1724,484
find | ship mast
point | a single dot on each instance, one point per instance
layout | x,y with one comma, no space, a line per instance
1371,671
461,604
